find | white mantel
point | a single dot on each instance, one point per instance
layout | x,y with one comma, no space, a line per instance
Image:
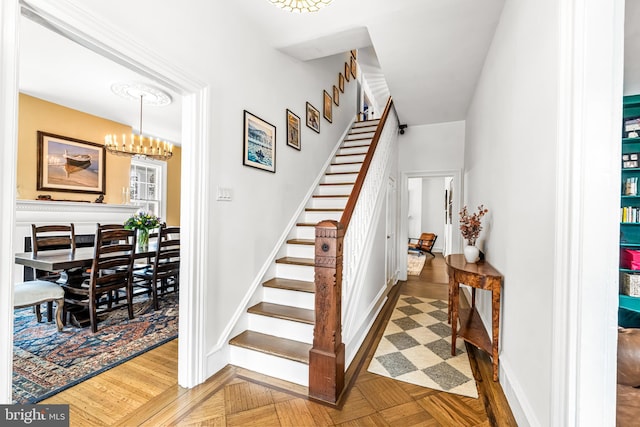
84,217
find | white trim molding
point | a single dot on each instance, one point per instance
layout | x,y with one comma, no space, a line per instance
583,375
9,21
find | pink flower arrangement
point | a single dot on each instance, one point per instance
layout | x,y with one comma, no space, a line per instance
471,225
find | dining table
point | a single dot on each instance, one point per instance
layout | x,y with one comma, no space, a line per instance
72,265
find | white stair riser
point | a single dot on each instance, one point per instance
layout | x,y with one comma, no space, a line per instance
281,328
353,150
321,216
349,159
345,168
329,202
288,297
304,233
300,251
355,142
359,133
295,272
334,190
372,122
332,179
267,364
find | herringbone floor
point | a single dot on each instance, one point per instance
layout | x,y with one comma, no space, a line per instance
144,391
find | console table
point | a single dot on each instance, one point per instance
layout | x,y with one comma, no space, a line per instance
480,275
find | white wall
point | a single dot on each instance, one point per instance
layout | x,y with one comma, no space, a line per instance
509,167
432,147
433,209
243,74
527,139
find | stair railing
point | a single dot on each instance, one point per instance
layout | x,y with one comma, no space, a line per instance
327,356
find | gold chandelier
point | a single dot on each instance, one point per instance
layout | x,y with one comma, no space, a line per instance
139,145
301,6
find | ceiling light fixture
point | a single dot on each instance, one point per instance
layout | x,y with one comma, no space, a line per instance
301,6
140,145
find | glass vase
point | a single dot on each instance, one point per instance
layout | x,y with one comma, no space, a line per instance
143,240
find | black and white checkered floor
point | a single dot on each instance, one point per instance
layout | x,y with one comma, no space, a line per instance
416,348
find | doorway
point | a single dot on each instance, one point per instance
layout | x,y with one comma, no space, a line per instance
429,201
194,216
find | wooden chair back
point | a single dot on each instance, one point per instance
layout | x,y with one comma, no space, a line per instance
167,260
50,237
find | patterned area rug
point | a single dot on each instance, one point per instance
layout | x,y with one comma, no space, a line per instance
416,348
46,361
415,263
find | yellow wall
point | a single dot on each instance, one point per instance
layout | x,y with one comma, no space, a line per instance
38,115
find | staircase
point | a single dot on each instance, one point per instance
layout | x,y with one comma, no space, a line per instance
279,334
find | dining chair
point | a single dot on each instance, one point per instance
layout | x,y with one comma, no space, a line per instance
111,271
37,292
163,275
48,238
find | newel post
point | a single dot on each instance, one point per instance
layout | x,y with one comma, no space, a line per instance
326,358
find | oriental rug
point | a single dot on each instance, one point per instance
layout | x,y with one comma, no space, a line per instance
416,348
415,263
46,361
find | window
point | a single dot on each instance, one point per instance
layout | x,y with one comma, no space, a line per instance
147,187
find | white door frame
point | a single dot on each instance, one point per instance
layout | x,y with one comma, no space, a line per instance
83,28
456,243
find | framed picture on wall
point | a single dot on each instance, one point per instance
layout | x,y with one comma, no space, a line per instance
336,95
313,118
69,164
259,148
354,67
293,130
327,110
347,71
341,82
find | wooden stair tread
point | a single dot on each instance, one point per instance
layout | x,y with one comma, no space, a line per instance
286,312
341,173
337,183
357,139
276,346
346,163
297,261
351,154
320,196
301,242
306,224
290,284
324,209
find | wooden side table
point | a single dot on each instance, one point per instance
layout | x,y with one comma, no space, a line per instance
480,275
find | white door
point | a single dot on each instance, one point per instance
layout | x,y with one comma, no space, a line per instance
392,256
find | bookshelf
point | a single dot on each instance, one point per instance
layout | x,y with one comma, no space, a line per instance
629,300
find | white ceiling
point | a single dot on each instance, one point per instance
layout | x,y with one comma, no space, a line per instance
429,54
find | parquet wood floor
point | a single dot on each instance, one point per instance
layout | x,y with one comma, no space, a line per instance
144,391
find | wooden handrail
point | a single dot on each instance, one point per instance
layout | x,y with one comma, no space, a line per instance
357,187
326,357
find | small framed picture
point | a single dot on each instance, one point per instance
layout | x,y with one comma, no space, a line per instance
336,95
259,148
327,110
293,130
341,82
633,156
347,71
354,67
70,164
313,118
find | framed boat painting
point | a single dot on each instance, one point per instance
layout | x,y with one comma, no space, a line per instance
69,164
259,143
